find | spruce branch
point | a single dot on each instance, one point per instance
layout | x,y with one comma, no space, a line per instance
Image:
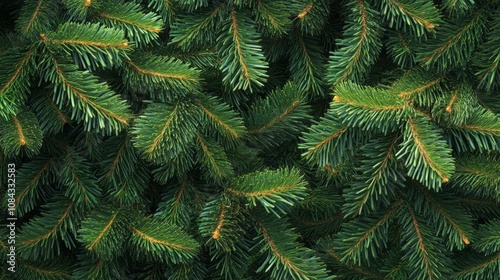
427,156
152,241
213,159
92,46
286,258
409,15
456,47
360,240
359,47
424,252
378,177
160,77
221,119
329,141
15,75
22,133
92,103
40,237
167,129
368,108
279,117
104,232
34,183
37,17
242,60
140,27
276,190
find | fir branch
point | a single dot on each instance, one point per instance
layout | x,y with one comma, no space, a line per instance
451,52
420,85
151,241
452,222
428,157
215,163
81,183
243,62
274,190
98,106
375,185
15,75
221,119
410,15
40,237
356,238
142,28
160,77
22,133
169,130
326,245
277,118
29,181
359,47
286,261
51,118
96,45
422,248
37,17
270,15
194,29
367,107
312,17
329,142
482,267
104,232
307,64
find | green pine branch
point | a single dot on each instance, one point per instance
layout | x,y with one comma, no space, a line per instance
22,133
242,60
378,177
41,237
278,118
104,232
329,142
285,258
37,17
213,159
221,119
56,268
15,76
276,190
80,182
426,154
34,183
51,118
151,241
96,45
167,130
272,17
140,27
160,77
92,103
190,30
422,249
455,47
360,240
409,15
359,47
368,107
444,211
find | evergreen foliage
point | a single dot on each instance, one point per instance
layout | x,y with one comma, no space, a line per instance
251,139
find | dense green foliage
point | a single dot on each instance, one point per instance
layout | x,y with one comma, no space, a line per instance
252,139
